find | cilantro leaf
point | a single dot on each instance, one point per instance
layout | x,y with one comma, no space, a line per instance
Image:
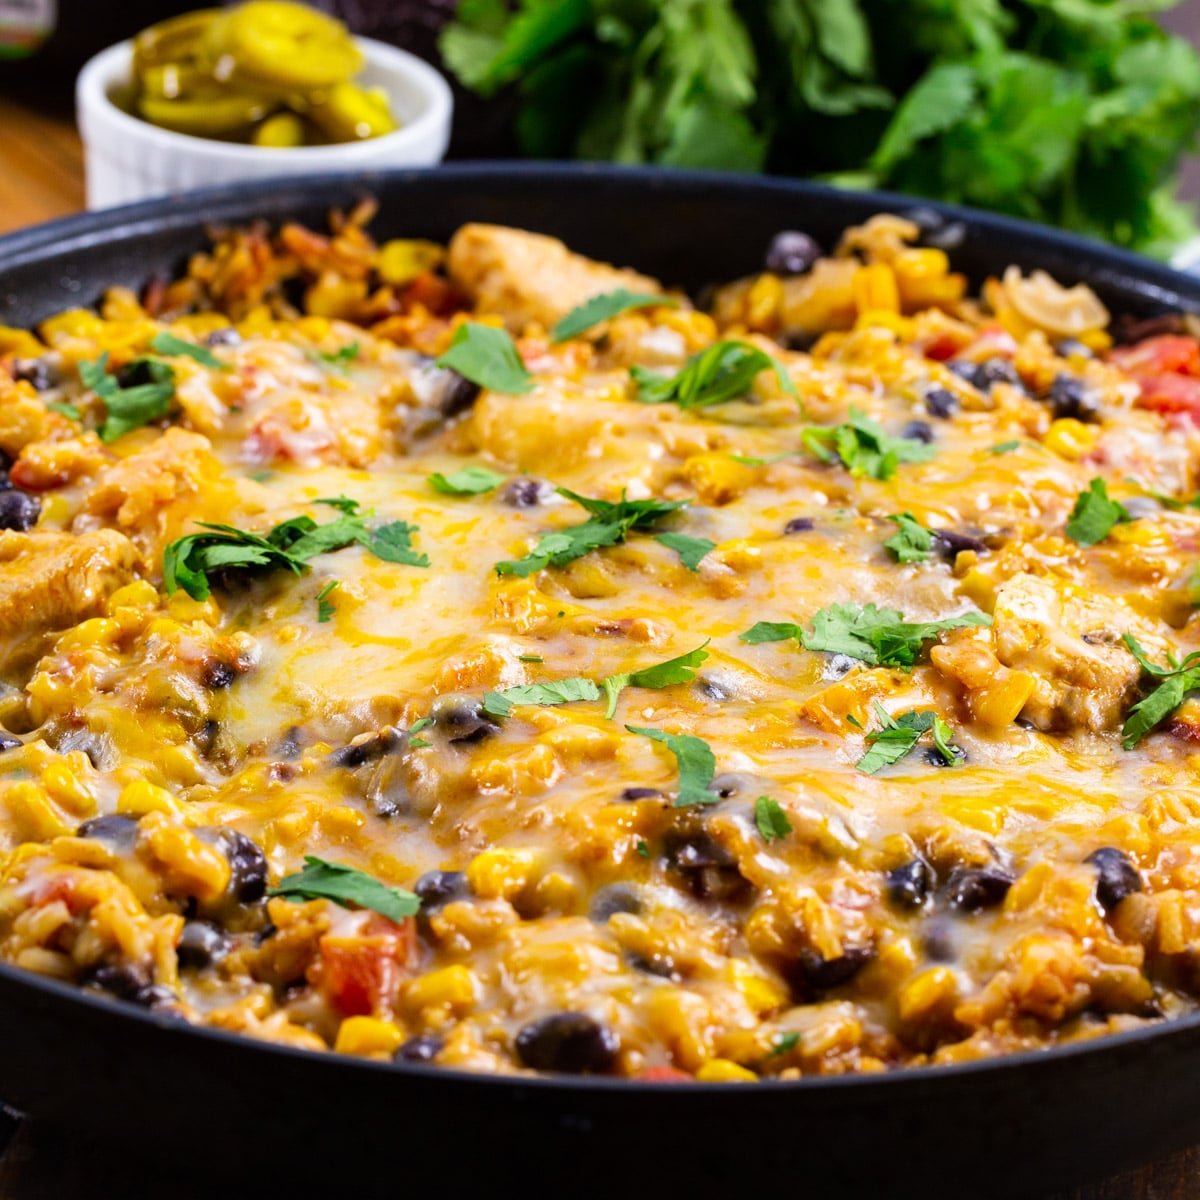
898,737
771,631
1178,681
325,608
1095,514
661,675
603,308
393,543
469,481
131,407
863,447
64,409
321,880
771,820
696,763
558,691
784,1042
339,359
609,525
1003,447
913,542
168,344
487,356
691,550
723,371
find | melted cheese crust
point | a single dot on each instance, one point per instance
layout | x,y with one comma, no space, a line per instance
874,934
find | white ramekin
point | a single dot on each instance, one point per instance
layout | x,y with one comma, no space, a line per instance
128,159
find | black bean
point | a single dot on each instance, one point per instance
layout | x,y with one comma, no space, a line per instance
939,939
714,689
421,1049
792,252
117,830
9,742
640,793
837,666
1117,877
909,884
248,867
155,995
727,785
950,542
224,337
38,372
919,431
812,973
971,889
440,887
524,492
569,1042
933,756
941,402
290,744
659,965
708,868
462,719
201,944
1072,348
997,370
128,983
612,899
456,394
968,372
1071,397
216,675
799,525
19,510
359,753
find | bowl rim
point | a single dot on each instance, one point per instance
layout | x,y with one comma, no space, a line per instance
98,115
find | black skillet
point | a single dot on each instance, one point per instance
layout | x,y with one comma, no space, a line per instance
1016,1127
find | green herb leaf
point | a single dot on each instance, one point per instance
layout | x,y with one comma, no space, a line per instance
393,543
1003,447
661,675
608,526
530,658
603,308
863,447
771,631
339,360
784,1042
1094,515
1179,680
723,371
469,481
913,543
558,691
642,849
325,608
691,550
321,880
898,737
132,407
696,763
771,820
488,357
64,409
172,346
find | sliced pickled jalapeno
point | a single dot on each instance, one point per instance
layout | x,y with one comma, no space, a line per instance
271,72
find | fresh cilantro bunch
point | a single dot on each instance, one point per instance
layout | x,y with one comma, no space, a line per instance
1176,681
897,737
1074,112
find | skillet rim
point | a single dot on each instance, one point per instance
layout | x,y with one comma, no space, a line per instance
1155,283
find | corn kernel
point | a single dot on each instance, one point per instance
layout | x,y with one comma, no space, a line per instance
368,1035
67,790
501,873
199,868
1071,439
932,991
717,478
721,1070
453,987
20,342
761,993
874,289
999,703
34,818
402,260
140,797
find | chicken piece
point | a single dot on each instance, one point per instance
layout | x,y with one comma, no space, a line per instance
529,277
1069,640
51,580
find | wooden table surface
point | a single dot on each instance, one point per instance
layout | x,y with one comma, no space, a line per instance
41,176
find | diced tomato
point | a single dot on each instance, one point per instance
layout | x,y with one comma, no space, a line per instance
664,1075
361,975
943,347
1171,394
434,293
1159,355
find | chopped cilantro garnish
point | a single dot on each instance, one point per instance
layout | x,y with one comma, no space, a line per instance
913,542
661,675
609,524
487,356
321,880
469,481
325,608
1095,514
338,359
642,849
172,346
691,550
722,372
696,763
604,307
64,409
129,408
1003,447
878,636
530,658
416,743
785,1042
189,561
1179,680
558,691
863,447
898,737
771,820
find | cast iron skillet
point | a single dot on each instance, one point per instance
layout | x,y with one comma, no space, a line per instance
1014,1127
